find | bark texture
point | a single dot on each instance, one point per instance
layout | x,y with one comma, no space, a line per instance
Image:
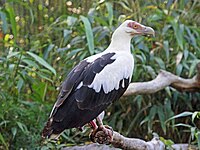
163,80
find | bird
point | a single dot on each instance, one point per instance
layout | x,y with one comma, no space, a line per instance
95,83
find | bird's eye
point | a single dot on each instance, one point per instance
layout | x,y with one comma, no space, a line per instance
135,26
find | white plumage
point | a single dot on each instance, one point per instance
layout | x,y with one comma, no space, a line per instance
110,77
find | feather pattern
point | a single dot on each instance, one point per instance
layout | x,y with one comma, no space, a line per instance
88,89
114,73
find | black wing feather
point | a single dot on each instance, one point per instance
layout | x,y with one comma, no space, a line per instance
76,107
70,81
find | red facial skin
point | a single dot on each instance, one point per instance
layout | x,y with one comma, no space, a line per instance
140,29
135,25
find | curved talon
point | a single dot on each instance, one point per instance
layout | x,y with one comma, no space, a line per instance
109,128
92,136
102,135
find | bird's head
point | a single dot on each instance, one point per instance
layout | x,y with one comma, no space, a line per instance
132,28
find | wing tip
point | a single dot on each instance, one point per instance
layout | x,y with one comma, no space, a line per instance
47,131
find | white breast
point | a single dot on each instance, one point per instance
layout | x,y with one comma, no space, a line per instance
109,78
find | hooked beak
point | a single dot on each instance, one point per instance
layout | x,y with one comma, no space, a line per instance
148,31
144,30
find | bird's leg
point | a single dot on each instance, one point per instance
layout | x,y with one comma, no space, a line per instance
94,128
93,125
102,134
107,129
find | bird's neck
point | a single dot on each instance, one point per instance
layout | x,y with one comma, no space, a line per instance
120,44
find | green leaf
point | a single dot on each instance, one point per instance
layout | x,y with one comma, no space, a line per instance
12,54
144,120
184,114
66,35
153,112
71,20
89,34
178,31
11,14
161,118
3,141
20,84
168,91
5,24
166,142
183,125
166,48
47,50
160,62
191,38
22,127
150,71
193,67
194,115
29,62
138,115
14,131
124,6
40,91
5,122
101,21
42,62
110,12
193,131
179,69
44,77
185,54
198,139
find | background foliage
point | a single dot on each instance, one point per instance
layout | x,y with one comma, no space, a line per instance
42,40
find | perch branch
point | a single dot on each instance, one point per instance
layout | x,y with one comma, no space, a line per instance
163,80
119,141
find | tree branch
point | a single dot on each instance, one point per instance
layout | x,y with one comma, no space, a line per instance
163,80
119,141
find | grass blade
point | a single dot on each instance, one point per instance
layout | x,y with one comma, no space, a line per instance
184,114
198,139
42,62
3,141
178,31
110,12
11,13
89,34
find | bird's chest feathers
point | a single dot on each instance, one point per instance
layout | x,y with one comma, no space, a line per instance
113,74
